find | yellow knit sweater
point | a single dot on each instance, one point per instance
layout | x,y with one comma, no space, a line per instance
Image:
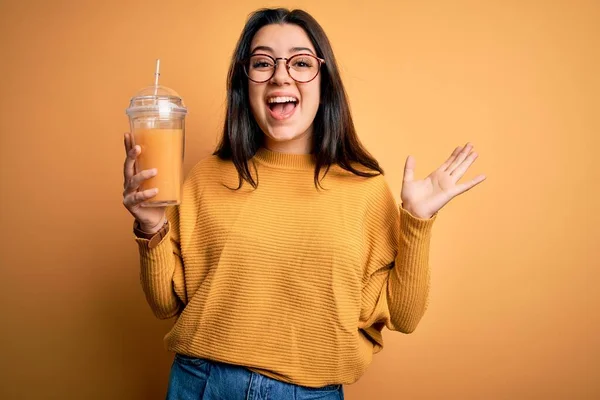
291,282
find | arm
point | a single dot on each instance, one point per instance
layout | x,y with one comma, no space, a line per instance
396,275
408,282
404,283
161,268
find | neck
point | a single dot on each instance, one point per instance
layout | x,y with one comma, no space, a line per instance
299,161
301,145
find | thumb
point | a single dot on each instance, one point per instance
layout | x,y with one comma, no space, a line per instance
409,169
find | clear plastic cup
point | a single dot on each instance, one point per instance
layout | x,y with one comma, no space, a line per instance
157,119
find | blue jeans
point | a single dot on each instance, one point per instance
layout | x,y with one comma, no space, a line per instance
201,379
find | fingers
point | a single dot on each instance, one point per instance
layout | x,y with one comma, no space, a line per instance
447,163
127,140
462,168
460,157
134,198
463,187
134,183
129,166
409,169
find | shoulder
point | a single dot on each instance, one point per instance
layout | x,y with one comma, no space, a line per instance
209,168
206,165
378,193
211,174
381,210
373,188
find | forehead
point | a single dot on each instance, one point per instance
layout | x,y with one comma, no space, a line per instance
281,38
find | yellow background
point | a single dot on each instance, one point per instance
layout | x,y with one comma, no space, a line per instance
514,302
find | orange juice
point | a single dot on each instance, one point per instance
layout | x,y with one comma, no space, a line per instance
157,118
162,149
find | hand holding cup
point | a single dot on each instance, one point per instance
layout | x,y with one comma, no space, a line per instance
151,219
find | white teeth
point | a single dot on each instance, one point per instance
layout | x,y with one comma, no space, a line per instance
281,100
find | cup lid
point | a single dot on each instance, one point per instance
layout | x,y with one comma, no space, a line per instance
159,99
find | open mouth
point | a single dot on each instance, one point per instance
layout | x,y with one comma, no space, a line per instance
282,107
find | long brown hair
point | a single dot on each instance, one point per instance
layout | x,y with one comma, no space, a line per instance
334,137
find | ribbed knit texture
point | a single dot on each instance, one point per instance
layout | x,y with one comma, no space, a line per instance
292,282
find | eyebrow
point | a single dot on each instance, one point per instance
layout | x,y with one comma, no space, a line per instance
292,50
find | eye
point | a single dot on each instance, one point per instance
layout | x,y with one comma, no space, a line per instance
302,62
260,62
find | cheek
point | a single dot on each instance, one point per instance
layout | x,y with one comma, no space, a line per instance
312,98
255,96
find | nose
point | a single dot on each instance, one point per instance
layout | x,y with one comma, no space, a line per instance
281,75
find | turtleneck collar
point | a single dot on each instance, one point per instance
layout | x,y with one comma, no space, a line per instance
285,160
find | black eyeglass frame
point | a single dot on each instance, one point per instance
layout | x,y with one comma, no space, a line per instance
245,62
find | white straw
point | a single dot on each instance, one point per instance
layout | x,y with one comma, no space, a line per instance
156,75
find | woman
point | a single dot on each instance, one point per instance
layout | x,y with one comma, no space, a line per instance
288,254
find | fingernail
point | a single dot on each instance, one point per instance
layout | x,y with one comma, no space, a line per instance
155,190
153,171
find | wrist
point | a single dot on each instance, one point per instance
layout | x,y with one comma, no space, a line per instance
151,230
414,213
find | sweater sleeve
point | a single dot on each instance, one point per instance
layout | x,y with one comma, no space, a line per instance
161,270
396,275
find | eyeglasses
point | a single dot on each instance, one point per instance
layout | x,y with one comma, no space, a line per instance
302,68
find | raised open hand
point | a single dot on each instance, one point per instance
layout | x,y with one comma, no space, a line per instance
424,198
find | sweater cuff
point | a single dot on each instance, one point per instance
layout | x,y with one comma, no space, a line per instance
152,239
414,227
157,256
